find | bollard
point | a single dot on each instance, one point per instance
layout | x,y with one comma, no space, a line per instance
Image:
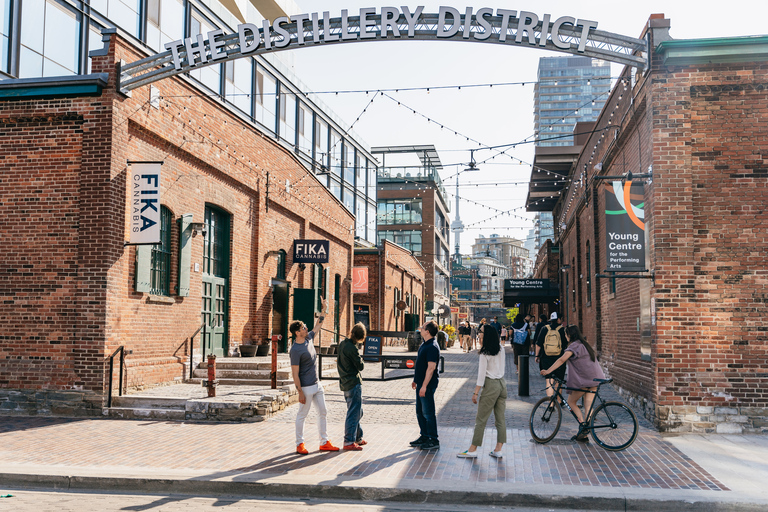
211,383
522,375
273,372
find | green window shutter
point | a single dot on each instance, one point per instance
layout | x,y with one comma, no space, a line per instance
185,254
143,268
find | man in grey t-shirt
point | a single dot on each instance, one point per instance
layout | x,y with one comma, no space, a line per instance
303,359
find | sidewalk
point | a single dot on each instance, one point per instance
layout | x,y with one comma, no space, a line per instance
715,472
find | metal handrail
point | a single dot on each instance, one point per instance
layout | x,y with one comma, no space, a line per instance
120,349
192,346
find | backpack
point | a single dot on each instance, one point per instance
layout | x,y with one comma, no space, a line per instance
521,336
552,342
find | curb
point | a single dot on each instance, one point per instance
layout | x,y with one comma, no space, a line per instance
195,487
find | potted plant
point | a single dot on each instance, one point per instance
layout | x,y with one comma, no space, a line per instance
262,349
248,349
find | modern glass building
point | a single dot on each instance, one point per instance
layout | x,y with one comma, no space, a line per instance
52,38
569,90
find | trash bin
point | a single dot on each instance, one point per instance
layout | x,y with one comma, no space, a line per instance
414,341
522,375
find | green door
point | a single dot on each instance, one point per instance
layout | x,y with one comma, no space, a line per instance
215,304
280,314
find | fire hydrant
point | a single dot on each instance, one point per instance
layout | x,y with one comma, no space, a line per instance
211,383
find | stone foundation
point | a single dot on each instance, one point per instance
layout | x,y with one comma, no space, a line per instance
711,419
71,403
213,409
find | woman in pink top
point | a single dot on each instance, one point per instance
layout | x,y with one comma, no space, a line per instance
583,369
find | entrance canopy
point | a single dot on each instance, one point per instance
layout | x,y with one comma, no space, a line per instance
500,26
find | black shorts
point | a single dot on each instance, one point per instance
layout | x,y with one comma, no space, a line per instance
546,361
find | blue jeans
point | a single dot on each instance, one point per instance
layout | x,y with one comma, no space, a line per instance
352,431
425,413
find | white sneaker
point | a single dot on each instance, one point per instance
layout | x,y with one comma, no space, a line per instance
496,454
467,455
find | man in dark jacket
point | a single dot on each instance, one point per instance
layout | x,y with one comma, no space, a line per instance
350,364
425,380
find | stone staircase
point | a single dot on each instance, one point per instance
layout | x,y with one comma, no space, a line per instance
244,393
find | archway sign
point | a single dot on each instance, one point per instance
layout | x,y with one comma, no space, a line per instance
502,26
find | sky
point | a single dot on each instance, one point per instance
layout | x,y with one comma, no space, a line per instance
479,117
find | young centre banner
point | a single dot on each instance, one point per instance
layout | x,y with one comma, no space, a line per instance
625,226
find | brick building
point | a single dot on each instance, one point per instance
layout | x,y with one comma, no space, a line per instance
394,275
686,339
234,199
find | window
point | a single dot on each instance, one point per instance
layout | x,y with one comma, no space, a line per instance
123,13
410,240
335,153
349,198
589,274
287,116
371,222
216,243
349,164
399,211
304,129
165,23
266,93
321,144
5,34
371,180
94,42
360,222
50,39
160,283
573,269
239,75
281,257
209,76
336,189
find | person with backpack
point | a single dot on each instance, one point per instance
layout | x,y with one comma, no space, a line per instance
583,369
550,346
519,338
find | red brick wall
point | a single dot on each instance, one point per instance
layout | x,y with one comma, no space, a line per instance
68,283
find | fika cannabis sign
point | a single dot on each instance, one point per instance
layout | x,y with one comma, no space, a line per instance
310,251
145,202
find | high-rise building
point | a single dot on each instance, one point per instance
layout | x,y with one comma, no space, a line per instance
413,213
569,90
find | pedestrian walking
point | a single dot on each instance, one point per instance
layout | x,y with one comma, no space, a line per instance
472,337
503,334
490,379
425,382
350,364
539,326
520,341
583,369
496,325
550,346
303,367
464,333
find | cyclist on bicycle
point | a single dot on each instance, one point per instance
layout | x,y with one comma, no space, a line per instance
583,368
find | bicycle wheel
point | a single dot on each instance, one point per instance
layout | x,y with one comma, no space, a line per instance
545,420
613,426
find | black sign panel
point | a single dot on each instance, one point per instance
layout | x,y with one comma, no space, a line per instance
362,315
372,347
624,226
310,251
530,291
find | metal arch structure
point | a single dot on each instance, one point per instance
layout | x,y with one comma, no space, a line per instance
506,27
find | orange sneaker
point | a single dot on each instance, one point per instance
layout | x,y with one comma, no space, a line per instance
353,447
328,447
302,450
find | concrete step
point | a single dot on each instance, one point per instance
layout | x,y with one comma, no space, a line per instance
241,374
130,413
246,382
148,402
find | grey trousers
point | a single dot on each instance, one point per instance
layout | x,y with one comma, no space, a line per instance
493,398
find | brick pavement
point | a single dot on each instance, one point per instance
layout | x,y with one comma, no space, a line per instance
266,449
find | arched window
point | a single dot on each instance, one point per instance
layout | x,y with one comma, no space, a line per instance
160,283
281,257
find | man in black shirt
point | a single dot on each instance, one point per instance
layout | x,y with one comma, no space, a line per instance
425,382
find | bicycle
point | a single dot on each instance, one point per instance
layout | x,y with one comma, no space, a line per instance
612,425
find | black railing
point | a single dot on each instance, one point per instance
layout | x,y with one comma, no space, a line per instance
192,346
121,350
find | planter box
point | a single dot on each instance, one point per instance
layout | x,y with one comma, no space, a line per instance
248,350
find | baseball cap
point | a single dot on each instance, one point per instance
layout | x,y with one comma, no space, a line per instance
553,316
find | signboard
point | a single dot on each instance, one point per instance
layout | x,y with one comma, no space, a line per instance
363,316
310,251
624,226
145,202
399,364
530,291
454,310
372,347
359,279
463,316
